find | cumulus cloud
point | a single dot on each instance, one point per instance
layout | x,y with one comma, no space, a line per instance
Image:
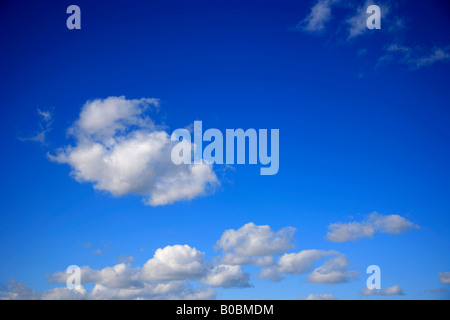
323,296
119,276
391,291
174,290
16,290
175,263
252,244
171,272
373,223
167,275
444,277
121,150
293,263
227,276
333,271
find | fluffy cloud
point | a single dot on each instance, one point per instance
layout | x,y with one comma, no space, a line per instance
227,276
444,277
16,290
119,149
175,263
374,222
174,290
166,275
391,291
171,272
293,263
118,276
260,245
335,270
253,244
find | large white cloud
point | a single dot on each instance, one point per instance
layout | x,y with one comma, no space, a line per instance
175,263
374,222
252,244
119,149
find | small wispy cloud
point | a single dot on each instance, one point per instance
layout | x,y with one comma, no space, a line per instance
393,23
322,296
98,252
318,17
390,291
445,277
45,126
357,23
126,259
435,291
414,57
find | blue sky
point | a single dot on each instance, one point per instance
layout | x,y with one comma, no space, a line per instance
364,127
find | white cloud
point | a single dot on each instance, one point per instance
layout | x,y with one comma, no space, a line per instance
172,270
444,277
391,291
119,276
166,275
333,271
392,224
183,262
323,296
414,57
175,263
318,17
227,276
119,149
293,263
252,244
16,290
357,24
174,290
